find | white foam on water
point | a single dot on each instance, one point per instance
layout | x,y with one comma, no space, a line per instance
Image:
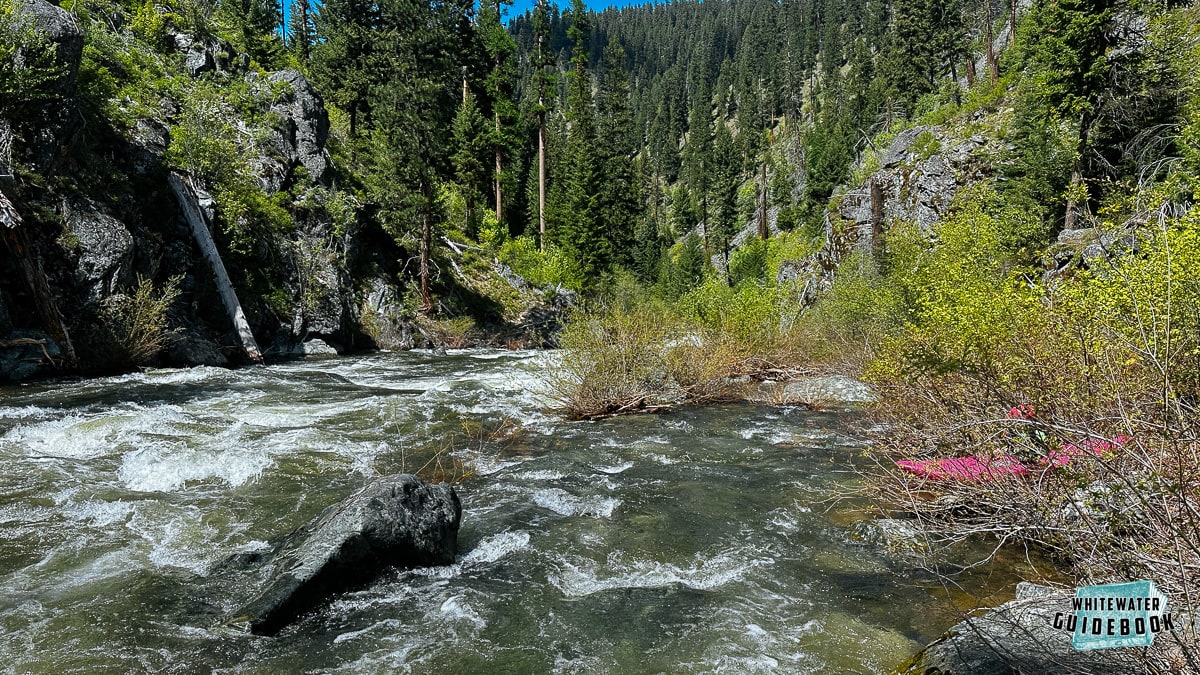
456,608
167,467
577,576
489,550
99,513
176,537
496,546
663,459
542,474
615,469
567,504
28,412
181,375
486,465
74,436
391,624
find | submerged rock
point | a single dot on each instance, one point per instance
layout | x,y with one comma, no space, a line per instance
395,521
1017,637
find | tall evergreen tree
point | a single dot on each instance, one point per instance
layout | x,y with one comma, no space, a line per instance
619,199
472,150
578,232
414,102
543,81
345,63
499,84
1066,74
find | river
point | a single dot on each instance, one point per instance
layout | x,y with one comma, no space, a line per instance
699,540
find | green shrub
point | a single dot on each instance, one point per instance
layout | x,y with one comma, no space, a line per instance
27,66
541,268
137,321
749,262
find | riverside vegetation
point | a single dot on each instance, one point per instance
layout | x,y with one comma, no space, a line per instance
974,205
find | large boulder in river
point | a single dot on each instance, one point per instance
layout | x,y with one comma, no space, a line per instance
394,522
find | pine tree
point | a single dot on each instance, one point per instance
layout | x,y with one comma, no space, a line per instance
1066,73
619,200
301,30
414,102
254,23
499,85
344,60
578,231
472,143
543,81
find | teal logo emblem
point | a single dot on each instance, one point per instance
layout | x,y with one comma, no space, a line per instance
1115,615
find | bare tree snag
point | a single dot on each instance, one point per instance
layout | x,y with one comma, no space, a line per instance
195,218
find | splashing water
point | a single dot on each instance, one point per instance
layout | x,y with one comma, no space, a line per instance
679,542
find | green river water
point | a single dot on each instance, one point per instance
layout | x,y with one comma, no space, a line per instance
695,541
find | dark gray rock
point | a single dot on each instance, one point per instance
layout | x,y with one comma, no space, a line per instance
190,349
898,151
393,522
1018,637
305,124
105,249
25,354
5,322
63,31
314,349
384,317
60,26
325,310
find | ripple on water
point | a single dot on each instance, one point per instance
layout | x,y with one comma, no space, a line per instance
167,467
566,504
577,576
490,549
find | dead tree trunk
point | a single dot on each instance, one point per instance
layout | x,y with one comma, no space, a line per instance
876,215
763,232
426,244
195,218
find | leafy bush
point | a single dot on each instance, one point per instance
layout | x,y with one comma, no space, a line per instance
137,321
749,262
207,143
541,268
27,66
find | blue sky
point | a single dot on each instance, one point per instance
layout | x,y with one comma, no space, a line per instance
519,6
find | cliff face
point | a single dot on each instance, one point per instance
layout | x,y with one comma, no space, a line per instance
98,255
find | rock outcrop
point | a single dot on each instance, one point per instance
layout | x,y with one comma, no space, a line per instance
394,522
301,136
104,247
60,27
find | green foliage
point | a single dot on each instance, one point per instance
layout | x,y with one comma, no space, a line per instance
252,25
543,268
749,313
150,25
749,262
28,66
137,321
925,145
863,308
207,144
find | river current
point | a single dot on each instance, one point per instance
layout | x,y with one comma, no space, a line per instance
700,540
